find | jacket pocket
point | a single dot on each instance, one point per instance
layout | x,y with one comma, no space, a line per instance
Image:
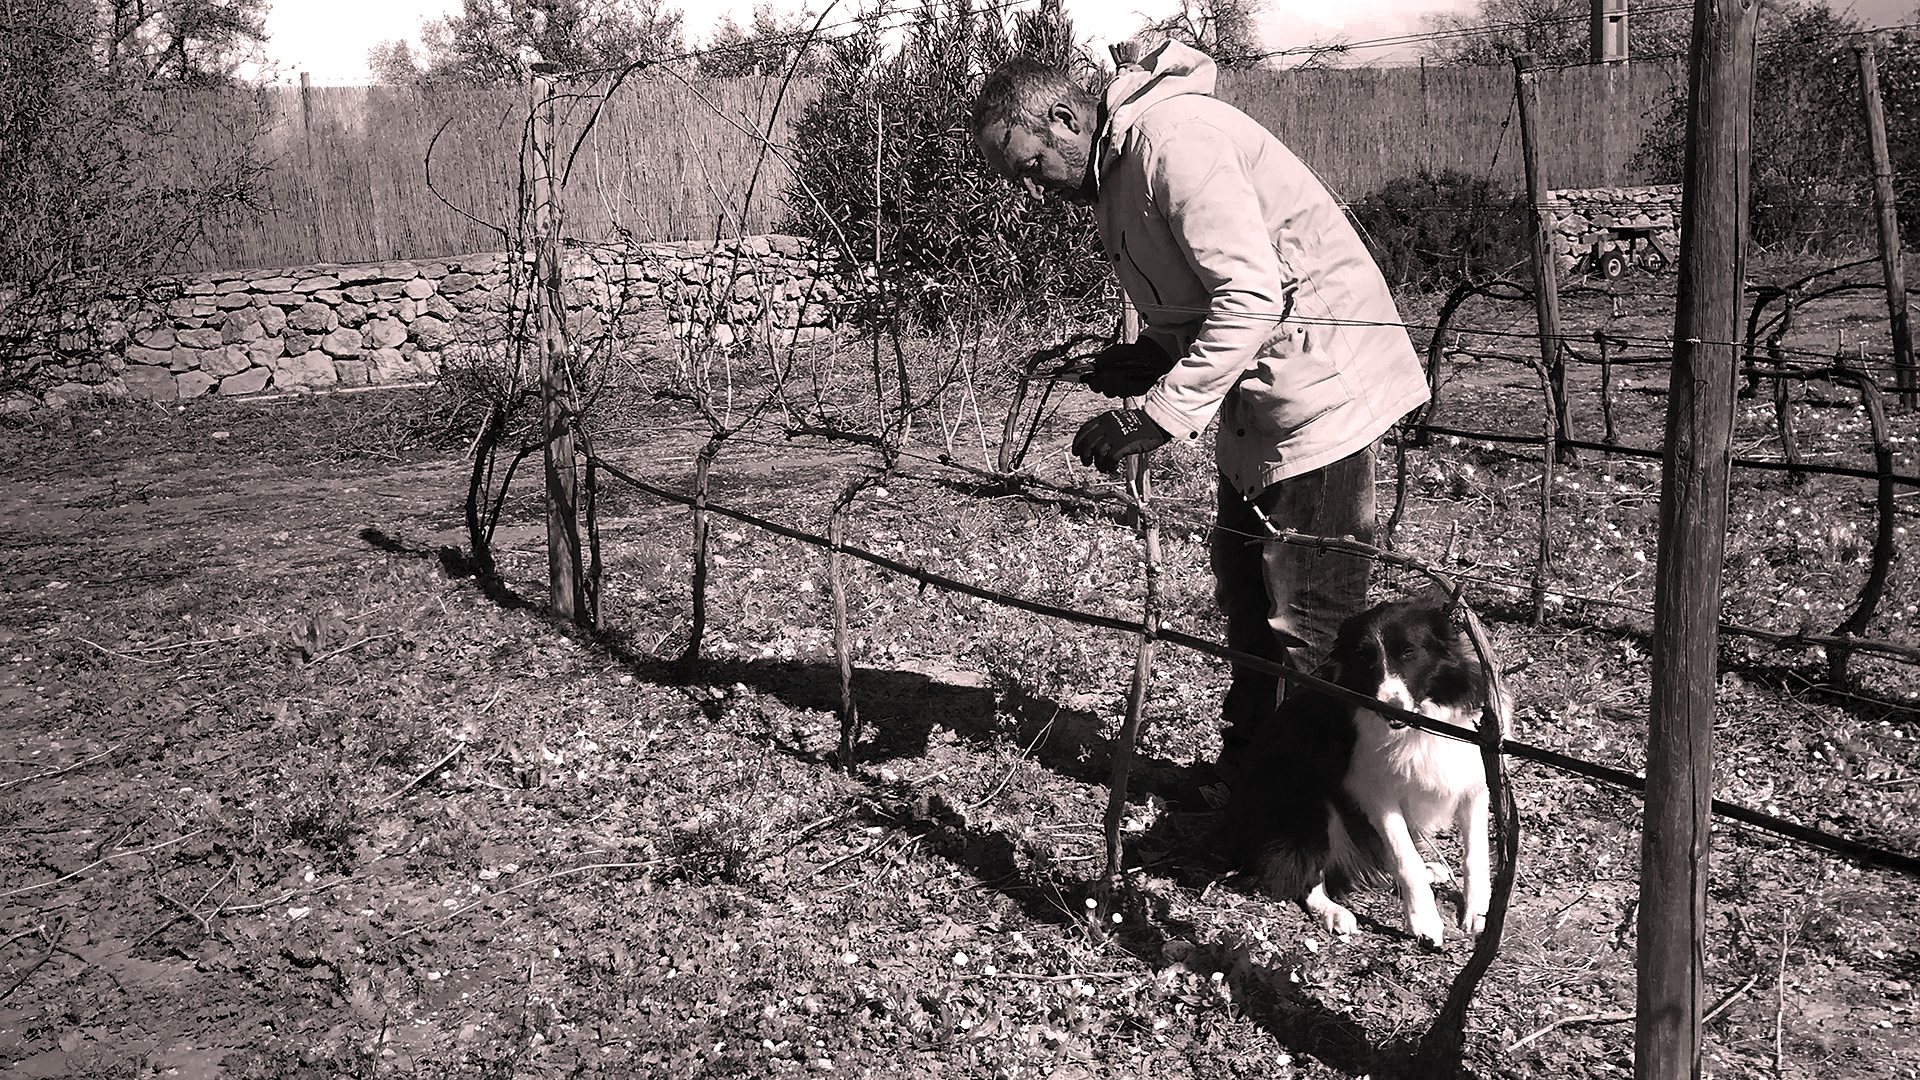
1290,385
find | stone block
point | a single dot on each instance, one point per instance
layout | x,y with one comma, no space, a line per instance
243,326
193,384
457,283
359,275
389,366
429,332
434,271
350,314
274,284
140,354
312,370
350,372
232,300
156,337
407,310
295,343
387,290
317,283
343,344
312,317
250,381
226,360
185,359
204,338
151,383
440,308
181,307
386,333
418,289
273,320
284,299
360,294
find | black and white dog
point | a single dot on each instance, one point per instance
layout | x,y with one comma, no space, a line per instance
1331,797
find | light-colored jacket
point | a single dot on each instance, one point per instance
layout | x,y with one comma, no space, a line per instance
1243,266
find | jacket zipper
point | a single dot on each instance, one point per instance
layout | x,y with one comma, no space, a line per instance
1136,269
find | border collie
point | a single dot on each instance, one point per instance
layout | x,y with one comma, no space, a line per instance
1331,797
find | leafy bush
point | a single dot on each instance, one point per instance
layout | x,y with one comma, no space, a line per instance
952,236
1812,177
1430,230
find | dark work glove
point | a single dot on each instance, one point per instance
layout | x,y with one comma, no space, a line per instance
1128,369
1120,433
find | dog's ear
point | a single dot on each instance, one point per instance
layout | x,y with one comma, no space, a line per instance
1439,590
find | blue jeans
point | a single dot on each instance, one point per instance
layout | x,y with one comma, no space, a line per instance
1284,602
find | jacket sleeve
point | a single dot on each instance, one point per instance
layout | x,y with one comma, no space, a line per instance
1202,185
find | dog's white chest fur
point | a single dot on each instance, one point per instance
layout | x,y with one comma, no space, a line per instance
1422,775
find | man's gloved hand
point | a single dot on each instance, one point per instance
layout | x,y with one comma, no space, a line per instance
1128,369
1120,433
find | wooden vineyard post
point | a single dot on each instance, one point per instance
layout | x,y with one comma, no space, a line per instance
1606,387
842,647
1892,258
556,398
1546,285
702,540
1677,838
1140,486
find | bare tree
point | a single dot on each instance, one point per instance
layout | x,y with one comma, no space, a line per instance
98,195
1554,31
190,42
1227,30
492,42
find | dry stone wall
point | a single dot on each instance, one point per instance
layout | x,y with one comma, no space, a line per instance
330,327
1624,219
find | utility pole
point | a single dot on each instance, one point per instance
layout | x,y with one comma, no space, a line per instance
1607,32
1677,838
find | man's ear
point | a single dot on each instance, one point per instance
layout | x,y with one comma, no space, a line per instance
1065,115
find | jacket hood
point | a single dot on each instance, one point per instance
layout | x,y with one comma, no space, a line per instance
1168,71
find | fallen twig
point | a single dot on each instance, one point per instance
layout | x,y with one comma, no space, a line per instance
97,862
431,769
459,911
62,771
349,647
1622,1017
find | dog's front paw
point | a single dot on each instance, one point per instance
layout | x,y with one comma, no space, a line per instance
1336,918
1439,872
1472,922
1426,926
1339,921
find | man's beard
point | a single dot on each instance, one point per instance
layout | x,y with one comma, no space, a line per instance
1087,192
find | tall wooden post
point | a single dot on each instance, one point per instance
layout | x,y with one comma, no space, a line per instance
556,397
1546,285
1892,258
1693,517
306,116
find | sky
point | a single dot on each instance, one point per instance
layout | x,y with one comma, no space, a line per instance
329,39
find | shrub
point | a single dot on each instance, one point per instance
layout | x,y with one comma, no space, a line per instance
952,236
1430,230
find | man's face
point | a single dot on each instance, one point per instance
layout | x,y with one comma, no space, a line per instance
1045,155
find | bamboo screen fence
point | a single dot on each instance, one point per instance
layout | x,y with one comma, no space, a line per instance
349,166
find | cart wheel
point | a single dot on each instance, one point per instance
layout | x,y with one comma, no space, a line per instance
1653,261
1612,264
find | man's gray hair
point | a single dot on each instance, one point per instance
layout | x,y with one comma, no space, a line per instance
1021,91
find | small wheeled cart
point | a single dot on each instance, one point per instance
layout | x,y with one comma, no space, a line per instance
1613,249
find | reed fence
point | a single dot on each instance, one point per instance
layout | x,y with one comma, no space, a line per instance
351,178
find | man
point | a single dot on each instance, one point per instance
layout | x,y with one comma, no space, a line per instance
1261,306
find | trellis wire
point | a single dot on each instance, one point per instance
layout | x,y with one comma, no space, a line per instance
1863,853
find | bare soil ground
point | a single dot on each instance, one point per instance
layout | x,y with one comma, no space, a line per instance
284,793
